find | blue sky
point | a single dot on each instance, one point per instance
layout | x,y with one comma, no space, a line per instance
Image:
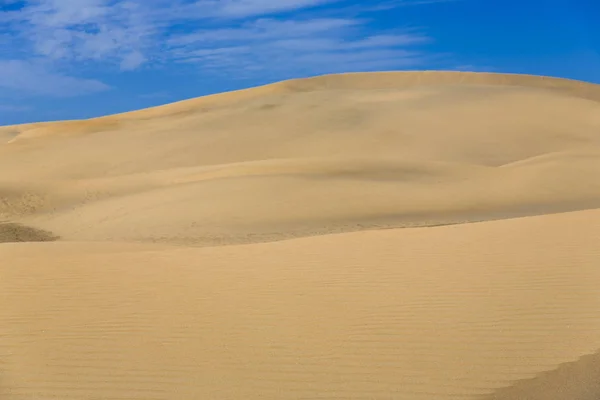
68,59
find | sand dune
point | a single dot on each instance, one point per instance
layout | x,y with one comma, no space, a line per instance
328,154
447,312
281,199
123,304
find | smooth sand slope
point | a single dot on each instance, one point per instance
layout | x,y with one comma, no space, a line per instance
451,312
328,154
130,298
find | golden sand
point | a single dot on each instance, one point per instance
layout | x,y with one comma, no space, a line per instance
441,242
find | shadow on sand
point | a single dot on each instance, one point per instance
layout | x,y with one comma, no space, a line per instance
11,232
578,380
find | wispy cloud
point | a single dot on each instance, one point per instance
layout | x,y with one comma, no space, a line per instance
245,8
217,36
298,47
126,32
35,79
81,30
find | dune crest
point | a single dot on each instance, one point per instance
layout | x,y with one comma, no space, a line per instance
347,81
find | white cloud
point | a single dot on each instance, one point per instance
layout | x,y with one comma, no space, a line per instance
217,36
124,32
228,9
240,8
79,30
28,77
132,60
264,29
298,47
129,33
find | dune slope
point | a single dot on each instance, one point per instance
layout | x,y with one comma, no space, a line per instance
455,312
327,154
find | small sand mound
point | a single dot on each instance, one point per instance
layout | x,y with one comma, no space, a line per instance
11,232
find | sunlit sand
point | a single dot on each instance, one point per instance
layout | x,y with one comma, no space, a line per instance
363,236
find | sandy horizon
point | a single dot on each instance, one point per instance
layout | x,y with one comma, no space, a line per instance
393,235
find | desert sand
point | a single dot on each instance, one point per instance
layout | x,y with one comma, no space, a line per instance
400,235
